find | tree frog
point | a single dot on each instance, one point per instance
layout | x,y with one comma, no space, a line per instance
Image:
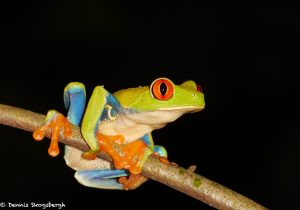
119,124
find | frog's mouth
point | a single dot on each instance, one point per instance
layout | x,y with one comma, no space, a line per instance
185,109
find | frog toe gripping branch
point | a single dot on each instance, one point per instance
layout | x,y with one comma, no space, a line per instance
119,124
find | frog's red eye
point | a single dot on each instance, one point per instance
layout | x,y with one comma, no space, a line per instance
162,89
198,88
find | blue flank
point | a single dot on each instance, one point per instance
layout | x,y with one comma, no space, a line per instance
116,108
148,140
111,100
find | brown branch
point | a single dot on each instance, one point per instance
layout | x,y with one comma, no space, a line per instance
183,180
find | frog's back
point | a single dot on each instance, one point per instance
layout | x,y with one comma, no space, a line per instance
128,97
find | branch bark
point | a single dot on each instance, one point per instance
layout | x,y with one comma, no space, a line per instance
183,180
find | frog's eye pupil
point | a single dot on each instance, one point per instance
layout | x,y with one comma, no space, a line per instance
163,89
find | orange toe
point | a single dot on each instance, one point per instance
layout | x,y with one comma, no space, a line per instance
54,122
89,155
164,160
108,145
134,181
38,134
134,153
125,156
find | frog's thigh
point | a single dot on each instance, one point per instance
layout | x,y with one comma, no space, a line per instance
74,160
102,179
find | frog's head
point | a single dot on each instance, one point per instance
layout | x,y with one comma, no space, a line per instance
162,101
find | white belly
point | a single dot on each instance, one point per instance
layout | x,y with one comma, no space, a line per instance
130,129
136,125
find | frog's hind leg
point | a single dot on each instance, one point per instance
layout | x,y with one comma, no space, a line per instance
157,149
161,151
96,173
102,179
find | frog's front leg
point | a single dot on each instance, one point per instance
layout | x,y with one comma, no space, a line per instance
102,106
97,111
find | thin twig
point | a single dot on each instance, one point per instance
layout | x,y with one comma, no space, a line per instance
183,180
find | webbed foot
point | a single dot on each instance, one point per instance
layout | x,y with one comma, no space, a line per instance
135,155
134,181
111,146
164,159
54,122
129,156
107,144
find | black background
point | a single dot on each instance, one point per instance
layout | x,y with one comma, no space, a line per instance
246,61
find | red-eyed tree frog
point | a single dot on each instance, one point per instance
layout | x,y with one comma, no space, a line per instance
124,119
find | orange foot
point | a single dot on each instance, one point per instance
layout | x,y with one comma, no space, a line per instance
164,160
129,156
54,121
106,144
110,145
135,154
134,181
